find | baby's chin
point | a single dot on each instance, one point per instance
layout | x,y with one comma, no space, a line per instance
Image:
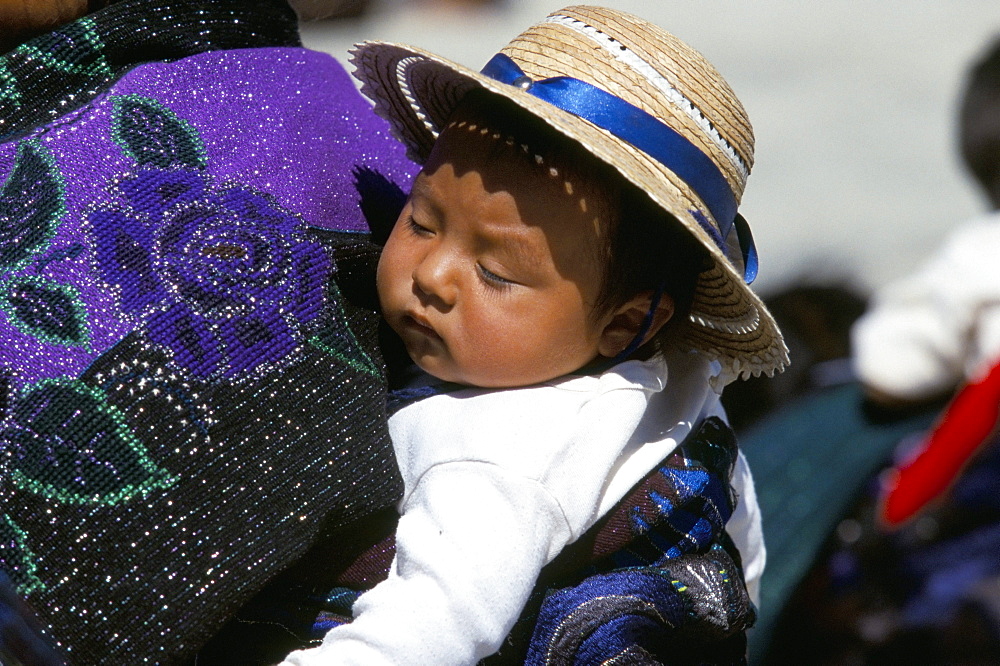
487,378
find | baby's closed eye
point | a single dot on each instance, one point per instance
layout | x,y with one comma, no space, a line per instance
417,228
493,279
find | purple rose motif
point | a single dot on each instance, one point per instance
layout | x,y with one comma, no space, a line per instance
223,278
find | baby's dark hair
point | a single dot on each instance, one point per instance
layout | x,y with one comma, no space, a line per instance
649,249
979,122
645,247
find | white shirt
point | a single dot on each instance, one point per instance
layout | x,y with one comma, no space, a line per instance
497,483
939,326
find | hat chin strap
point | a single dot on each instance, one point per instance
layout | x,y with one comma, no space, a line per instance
603,364
642,131
647,323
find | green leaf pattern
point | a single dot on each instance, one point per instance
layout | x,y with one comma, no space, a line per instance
68,444
338,340
62,439
153,135
32,206
20,562
47,310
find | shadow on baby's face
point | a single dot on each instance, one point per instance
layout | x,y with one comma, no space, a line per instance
493,270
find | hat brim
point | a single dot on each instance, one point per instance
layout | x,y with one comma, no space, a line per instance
417,91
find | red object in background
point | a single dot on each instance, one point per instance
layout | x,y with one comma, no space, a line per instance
966,424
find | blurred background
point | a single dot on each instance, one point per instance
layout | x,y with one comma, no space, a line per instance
853,103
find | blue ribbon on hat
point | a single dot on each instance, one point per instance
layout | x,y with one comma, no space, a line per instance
645,132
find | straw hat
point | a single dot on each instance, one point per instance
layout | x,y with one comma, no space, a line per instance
638,99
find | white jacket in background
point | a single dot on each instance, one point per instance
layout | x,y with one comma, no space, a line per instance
938,327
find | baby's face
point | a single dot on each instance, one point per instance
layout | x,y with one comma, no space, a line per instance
491,273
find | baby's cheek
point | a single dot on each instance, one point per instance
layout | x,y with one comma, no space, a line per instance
388,279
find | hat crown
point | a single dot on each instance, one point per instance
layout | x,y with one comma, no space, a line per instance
649,68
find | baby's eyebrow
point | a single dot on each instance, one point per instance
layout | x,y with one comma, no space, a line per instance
519,245
422,191
420,186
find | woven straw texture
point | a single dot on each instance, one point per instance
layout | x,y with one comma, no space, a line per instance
648,68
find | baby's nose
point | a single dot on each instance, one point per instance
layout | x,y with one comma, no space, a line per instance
434,277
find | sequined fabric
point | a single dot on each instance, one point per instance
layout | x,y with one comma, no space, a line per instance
45,78
189,391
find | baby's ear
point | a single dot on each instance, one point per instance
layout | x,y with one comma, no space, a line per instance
626,321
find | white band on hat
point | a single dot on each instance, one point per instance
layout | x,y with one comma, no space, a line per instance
620,52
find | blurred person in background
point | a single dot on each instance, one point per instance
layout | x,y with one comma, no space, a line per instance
319,10
939,326
928,590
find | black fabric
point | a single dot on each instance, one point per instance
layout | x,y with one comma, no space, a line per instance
281,617
233,481
61,71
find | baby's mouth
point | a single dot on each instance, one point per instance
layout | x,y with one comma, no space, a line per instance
420,325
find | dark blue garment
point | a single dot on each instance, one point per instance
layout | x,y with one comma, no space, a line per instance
20,638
